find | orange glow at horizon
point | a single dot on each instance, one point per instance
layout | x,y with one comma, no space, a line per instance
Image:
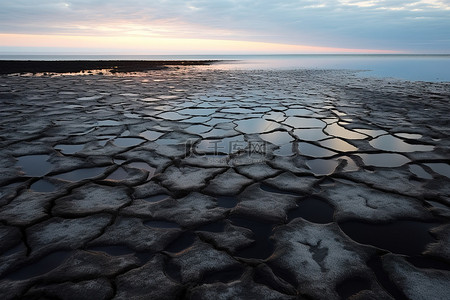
153,45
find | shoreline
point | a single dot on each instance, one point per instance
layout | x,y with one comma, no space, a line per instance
75,66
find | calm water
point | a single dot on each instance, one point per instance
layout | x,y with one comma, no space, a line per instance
409,67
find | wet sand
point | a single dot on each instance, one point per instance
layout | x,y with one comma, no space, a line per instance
200,183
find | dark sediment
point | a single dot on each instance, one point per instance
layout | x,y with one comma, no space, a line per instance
75,66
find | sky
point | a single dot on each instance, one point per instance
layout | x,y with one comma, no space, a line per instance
224,26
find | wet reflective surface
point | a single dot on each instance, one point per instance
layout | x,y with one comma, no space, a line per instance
253,182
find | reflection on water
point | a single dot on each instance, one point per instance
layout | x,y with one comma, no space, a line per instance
81,174
256,126
386,160
440,168
322,166
391,143
34,165
43,186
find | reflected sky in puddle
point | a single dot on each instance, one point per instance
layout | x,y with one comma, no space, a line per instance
299,122
371,132
172,116
419,172
108,123
339,131
275,116
237,110
411,136
81,174
312,134
197,111
68,149
43,186
314,151
322,167
386,160
338,145
391,143
151,135
277,138
298,112
440,168
119,174
197,129
127,141
256,125
284,150
215,121
201,120
34,165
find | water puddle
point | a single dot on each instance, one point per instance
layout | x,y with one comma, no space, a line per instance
339,131
199,120
197,111
400,237
172,116
215,121
198,129
143,166
108,123
338,145
151,135
419,172
238,110
321,167
312,134
276,116
384,160
127,141
256,125
227,202
440,168
312,209
43,186
371,132
81,174
43,266
299,122
68,149
182,242
410,136
393,144
118,175
263,247
277,138
314,151
285,150
291,112
34,165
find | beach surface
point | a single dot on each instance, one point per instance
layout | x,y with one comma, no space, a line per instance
199,183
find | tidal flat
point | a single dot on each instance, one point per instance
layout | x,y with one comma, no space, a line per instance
199,183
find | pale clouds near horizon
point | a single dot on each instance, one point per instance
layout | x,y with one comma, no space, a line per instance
420,26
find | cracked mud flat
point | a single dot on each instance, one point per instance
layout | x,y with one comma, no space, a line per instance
197,183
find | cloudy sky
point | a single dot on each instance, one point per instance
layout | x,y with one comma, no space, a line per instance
225,26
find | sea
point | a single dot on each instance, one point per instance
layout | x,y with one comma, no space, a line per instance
432,68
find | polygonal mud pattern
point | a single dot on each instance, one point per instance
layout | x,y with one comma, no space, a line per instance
195,182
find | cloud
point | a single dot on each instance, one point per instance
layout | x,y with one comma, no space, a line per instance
421,25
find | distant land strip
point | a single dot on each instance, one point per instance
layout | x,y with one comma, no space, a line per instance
75,66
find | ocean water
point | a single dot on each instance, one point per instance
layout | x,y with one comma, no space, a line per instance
435,68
